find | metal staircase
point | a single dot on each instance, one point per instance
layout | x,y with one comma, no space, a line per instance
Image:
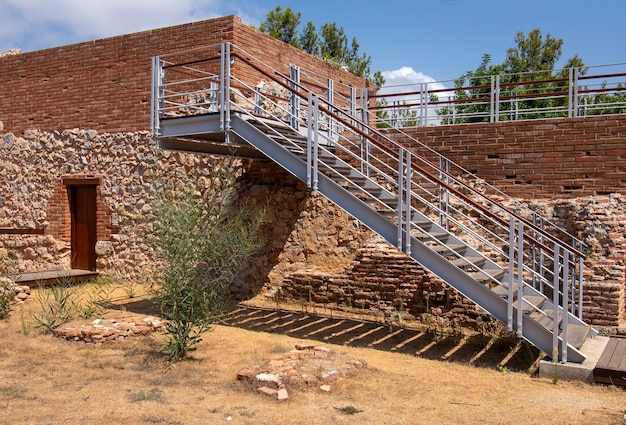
518,267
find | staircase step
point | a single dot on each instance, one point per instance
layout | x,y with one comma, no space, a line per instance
531,302
424,225
503,291
424,236
449,249
469,262
577,334
486,276
545,320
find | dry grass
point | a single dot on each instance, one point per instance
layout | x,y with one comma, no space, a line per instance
45,380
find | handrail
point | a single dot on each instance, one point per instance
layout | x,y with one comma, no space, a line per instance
302,92
434,179
412,178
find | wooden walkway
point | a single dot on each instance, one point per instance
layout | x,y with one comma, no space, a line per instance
55,276
611,368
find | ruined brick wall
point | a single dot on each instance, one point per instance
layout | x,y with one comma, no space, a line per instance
101,89
382,281
101,85
545,159
104,85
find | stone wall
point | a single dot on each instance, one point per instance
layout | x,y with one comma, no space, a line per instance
313,249
33,195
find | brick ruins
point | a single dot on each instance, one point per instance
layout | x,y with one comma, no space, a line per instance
79,115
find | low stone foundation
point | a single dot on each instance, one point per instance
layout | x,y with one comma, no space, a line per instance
382,281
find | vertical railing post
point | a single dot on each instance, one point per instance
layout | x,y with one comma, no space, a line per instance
570,92
511,289
225,89
400,196
365,146
309,141
492,99
365,103
424,104
565,305
580,283
257,101
575,94
294,99
407,203
520,277
331,101
156,106
316,135
353,107
496,97
555,302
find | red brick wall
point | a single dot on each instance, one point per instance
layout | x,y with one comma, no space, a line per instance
104,84
551,158
279,56
59,213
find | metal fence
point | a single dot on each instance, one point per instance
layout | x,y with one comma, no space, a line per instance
569,92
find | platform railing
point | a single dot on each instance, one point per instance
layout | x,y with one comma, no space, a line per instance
569,92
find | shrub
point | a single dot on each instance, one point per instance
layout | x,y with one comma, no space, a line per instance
202,242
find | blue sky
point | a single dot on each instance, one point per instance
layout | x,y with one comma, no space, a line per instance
409,41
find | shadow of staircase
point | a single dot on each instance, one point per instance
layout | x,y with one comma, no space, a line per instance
479,350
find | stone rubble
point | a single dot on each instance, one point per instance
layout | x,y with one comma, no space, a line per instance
102,330
306,366
22,292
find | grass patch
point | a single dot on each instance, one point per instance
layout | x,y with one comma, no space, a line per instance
12,392
348,410
153,395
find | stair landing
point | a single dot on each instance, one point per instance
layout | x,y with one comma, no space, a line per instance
611,368
593,349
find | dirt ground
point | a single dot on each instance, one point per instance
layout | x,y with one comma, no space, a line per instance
47,380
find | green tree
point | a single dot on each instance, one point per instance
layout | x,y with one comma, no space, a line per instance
309,39
533,52
330,43
282,24
522,74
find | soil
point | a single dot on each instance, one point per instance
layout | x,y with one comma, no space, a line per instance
50,380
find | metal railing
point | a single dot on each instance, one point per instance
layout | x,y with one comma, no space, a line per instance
571,92
538,255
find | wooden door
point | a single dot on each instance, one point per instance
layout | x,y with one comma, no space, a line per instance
83,210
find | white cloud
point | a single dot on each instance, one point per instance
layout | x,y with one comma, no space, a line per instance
409,88
405,79
36,24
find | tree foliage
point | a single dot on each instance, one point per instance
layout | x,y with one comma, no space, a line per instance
282,24
330,43
531,61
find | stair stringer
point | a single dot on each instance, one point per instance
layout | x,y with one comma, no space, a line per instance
458,279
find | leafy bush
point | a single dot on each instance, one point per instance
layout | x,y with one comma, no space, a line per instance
8,277
202,241
7,293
